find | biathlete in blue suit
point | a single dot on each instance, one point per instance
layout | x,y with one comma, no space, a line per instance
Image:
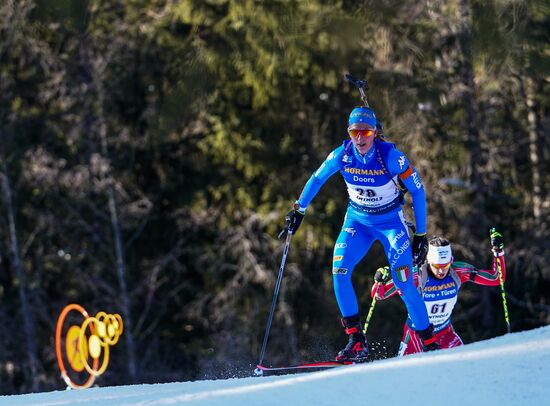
370,168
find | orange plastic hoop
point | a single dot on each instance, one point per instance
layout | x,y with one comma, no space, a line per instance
58,331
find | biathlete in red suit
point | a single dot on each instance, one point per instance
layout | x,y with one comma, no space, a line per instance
438,282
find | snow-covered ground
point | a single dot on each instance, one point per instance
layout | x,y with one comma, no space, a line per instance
510,370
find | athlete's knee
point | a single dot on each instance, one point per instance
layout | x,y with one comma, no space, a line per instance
341,279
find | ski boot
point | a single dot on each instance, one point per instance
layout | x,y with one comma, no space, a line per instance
428,340
356,350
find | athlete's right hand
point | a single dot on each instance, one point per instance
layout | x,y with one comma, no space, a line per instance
293,219
382,275
419,248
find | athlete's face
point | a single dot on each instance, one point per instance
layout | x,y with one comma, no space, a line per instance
440,270
362,137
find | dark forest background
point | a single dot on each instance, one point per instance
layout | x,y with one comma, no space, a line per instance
149,150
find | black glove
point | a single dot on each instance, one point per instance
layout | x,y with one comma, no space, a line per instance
293,220
496,240
419,249
382,275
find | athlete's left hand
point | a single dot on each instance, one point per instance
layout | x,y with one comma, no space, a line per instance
419,249
382,275
496,241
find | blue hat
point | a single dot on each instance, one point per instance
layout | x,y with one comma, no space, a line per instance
362,115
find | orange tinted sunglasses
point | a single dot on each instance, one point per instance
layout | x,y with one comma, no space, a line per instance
362,133
441,266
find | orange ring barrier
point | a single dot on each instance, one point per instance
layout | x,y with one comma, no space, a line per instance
89,340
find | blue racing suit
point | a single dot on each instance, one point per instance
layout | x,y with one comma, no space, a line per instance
374,213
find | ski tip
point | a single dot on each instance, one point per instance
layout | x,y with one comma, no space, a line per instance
258,371
262,370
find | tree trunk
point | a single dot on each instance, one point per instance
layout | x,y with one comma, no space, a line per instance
120,260
28,322
94,66
533,127
527,91
476,222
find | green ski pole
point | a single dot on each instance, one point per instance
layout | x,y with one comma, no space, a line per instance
384,271
495,233
503,293
371,311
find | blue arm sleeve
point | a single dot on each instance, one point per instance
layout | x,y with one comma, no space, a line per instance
419,201
398,164
328,168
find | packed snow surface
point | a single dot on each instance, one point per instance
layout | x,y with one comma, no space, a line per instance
509,370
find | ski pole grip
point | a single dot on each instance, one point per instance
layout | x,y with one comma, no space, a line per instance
360,84
352,80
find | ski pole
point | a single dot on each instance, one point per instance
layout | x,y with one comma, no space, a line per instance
362,85
371,310
496,234
503,293
275,296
